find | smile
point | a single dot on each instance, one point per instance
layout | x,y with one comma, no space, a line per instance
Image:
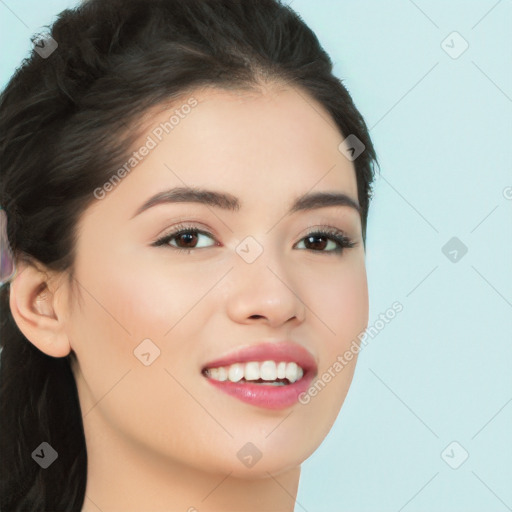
268,372
268,375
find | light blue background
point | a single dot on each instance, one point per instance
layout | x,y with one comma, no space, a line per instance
440,371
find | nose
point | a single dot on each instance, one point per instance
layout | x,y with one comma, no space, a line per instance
259,293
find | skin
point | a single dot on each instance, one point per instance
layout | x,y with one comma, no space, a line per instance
160,437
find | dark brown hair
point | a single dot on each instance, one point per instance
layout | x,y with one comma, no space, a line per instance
66,122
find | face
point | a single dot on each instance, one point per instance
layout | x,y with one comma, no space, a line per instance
242,283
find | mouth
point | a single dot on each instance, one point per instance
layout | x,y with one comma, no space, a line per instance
268,375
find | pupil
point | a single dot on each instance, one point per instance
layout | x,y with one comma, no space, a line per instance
188,237
317,245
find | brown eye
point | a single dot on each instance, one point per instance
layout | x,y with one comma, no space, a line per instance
316,242
327,241
186,239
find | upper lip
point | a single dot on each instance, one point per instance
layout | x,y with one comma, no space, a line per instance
286,351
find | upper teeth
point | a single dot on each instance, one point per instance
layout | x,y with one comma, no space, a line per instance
254,370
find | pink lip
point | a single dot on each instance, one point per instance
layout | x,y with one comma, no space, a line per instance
269,397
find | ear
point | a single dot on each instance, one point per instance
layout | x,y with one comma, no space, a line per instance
35,309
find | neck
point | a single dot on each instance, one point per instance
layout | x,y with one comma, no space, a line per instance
122,476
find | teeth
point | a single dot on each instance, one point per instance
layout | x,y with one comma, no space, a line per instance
214,373
268,371
252,371
281,370
236,372
291,372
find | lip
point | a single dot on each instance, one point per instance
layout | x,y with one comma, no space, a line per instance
267,396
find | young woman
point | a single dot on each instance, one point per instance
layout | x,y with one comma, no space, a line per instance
186,187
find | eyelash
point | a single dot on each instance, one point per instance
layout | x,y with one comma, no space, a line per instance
334,234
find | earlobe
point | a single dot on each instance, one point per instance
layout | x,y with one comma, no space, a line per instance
32,306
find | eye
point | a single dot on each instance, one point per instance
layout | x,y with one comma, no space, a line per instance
185,239
323,240
330,240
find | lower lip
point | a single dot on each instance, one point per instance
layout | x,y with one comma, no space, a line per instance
263,395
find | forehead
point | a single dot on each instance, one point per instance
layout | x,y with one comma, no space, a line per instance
260,146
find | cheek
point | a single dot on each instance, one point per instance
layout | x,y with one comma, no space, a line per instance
128,303
118,311
339,300
341,304
147,298
157,288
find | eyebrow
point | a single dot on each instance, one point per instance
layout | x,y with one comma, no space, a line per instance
226,201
